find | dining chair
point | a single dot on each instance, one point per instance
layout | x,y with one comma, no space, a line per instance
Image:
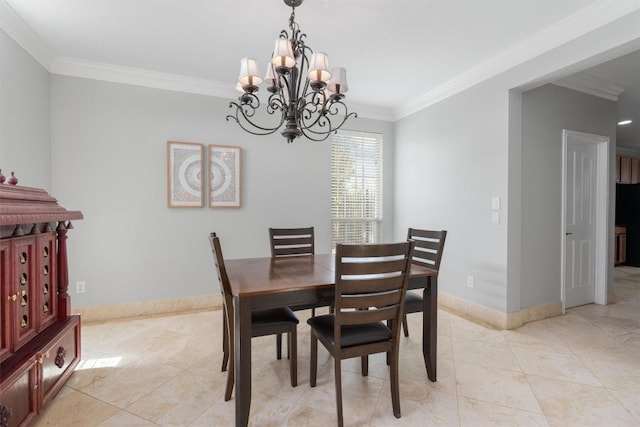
427,252
263,322
370,287
291,242
288,242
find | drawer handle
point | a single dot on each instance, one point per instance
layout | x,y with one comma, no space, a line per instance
5,414
60,357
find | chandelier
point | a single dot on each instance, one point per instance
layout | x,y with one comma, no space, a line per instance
306,97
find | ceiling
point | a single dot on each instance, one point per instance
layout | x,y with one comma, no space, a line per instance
397,52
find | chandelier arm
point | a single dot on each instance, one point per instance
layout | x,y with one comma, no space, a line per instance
324,119
315,107
312,135
243,118
276,103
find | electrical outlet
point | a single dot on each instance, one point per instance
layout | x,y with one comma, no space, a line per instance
470,283
80,287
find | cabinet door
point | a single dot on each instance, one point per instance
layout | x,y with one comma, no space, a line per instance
635,171
46,286
7,294
625,170
24,272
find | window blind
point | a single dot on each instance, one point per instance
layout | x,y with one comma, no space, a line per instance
356,187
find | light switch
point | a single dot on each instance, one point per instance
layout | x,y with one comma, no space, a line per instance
495,217
495,202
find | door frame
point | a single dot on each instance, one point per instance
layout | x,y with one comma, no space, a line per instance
602,211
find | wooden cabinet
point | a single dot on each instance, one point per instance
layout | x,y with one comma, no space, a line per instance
620,256
635,171
627,170
39,339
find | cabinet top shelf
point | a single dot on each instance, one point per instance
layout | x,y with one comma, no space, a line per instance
25,205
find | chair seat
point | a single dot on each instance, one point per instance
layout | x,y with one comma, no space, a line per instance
274,317
351,334
413,303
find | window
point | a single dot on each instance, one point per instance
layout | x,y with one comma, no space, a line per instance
356,187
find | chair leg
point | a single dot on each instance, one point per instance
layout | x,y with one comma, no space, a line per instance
293,344
364,365
404,325
390,326
395,386
289,346
225,342
338,370
313,361
230,375
279,346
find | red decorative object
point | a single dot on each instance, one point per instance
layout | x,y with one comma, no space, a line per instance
2,177
12,179
39,348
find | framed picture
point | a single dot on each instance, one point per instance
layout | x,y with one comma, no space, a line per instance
225,173
184,175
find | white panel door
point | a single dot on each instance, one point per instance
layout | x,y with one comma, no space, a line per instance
580,223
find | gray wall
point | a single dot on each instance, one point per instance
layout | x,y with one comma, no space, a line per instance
451,159
109,145
453,156
546,111
24,116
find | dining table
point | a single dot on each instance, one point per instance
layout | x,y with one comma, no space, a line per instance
268,282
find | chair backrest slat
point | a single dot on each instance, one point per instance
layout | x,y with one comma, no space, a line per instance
371,281
225,285
379,267
291,241
380,284
361,317
429,245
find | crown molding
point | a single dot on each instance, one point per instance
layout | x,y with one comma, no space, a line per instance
596,15
22,34
75,67
584,21
583,82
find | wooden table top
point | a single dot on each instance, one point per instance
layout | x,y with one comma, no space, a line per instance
259,276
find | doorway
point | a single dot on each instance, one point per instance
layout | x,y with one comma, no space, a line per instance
585,212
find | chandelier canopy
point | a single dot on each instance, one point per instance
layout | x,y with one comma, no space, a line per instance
306,96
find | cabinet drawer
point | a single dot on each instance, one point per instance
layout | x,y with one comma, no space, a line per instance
18,395
59,359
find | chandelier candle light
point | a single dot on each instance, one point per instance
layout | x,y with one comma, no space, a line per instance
305,96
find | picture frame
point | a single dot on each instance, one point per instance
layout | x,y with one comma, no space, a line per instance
225,176
185,170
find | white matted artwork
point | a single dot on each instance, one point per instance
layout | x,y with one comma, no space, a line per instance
184,175
225,171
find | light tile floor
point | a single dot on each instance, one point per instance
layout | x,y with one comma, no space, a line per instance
579,369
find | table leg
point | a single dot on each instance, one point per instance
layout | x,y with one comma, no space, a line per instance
242,338
430,326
